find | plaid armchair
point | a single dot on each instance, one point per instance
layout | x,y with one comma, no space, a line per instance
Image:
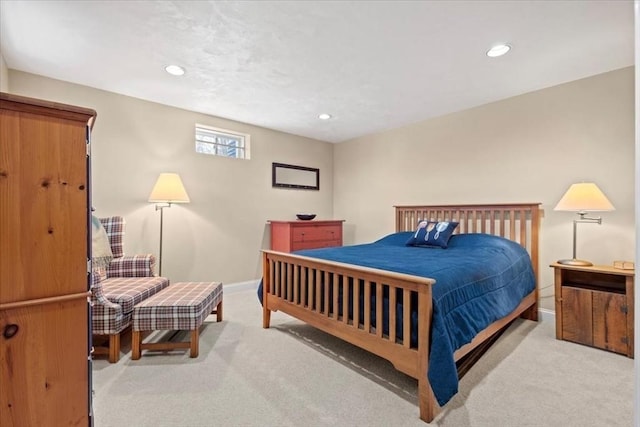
125,265
126,281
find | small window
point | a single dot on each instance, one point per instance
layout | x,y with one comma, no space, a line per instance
221,142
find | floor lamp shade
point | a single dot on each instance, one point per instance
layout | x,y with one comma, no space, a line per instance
581,198
167,190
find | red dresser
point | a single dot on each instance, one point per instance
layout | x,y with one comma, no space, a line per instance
289,236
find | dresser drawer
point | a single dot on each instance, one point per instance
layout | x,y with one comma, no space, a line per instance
298,246
287,236
311,233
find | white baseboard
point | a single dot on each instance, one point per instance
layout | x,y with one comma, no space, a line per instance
546,315
241,286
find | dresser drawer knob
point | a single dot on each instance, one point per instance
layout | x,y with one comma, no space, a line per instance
10,331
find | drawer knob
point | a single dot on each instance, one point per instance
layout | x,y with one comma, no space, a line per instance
10,331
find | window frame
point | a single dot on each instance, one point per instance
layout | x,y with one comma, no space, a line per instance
243,138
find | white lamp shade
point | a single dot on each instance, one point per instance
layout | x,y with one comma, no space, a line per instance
169,189
582,197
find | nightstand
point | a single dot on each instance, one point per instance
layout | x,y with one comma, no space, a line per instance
594,306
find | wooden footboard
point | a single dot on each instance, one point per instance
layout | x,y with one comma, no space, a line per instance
323,293
326,294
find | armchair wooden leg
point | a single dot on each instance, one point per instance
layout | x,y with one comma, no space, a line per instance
114,348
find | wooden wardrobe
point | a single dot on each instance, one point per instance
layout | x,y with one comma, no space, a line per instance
45,364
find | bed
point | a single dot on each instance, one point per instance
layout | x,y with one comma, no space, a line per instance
358,293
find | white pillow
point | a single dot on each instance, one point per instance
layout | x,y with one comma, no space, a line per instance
101,254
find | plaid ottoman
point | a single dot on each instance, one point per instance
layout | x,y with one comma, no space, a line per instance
181,306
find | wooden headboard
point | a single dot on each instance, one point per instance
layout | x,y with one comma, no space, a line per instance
519,222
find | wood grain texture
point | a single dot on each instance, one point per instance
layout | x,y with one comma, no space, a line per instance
44,283
43,180
610,321
44,366
577,325
595,306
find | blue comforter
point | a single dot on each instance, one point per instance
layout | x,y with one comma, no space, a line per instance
480,278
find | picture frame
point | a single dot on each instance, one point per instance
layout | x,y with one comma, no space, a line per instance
295,177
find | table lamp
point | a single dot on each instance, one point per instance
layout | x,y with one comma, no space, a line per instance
580,198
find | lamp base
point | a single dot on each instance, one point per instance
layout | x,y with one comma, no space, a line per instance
576,262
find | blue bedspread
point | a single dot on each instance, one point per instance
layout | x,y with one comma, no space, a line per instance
479,279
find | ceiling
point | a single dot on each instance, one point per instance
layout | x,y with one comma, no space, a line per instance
372,65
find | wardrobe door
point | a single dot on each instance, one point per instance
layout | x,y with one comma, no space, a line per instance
45,369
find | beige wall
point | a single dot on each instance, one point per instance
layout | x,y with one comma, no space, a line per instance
218,235
529,148
4,75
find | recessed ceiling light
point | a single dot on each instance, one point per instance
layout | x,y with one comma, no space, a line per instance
498,50
175,70
324,116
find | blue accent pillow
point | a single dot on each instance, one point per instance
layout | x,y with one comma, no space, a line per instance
432,234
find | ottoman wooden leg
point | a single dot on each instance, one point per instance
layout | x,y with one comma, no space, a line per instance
218,312
195,341
136,339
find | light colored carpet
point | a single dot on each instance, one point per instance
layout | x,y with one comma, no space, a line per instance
295,375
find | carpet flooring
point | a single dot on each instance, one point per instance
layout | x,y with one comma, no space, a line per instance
295,375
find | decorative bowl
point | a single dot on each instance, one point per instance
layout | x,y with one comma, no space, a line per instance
305,216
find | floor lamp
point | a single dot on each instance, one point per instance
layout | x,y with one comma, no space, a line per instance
580,198
167,190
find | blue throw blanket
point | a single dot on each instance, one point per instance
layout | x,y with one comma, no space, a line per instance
480,278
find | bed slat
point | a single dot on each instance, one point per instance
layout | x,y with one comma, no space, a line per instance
392,314
378,310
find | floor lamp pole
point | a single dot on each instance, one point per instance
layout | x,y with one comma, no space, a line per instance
161,207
